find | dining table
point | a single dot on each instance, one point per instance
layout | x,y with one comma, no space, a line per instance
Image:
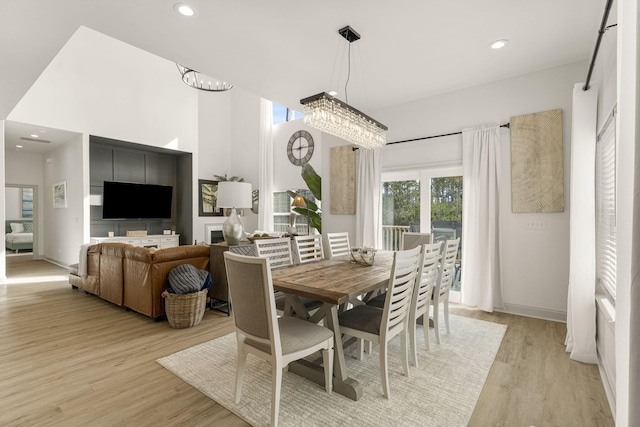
335,282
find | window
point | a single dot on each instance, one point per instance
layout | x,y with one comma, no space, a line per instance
606,206
282,211
283,114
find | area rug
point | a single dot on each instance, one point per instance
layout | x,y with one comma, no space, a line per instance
442,391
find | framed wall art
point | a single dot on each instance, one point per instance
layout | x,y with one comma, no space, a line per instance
60,194
207,198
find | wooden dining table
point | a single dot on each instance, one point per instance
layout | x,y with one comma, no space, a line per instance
334,282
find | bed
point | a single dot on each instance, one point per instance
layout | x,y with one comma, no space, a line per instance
19,235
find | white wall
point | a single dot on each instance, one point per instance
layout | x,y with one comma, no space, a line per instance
536,274
3,250
13,203
64,225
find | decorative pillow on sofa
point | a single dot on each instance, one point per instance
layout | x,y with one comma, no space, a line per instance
17,227
28,227
186,278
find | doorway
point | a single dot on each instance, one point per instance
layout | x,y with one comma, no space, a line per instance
20,220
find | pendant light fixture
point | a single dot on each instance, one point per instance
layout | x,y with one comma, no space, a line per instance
333,116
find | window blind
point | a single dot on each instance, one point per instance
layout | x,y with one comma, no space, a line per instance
606,206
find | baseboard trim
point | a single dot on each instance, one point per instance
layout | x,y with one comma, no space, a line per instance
608,387
535,312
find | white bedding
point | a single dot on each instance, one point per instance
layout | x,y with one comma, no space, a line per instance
19,237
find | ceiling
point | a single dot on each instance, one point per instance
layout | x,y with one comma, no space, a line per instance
285,50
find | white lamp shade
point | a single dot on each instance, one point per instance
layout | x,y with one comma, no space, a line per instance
233,194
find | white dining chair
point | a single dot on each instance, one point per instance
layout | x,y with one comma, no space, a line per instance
443,285
381,325
309,248
259,331
339,244
422,294
277,250
410,240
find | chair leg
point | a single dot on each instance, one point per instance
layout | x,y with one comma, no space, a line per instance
360,349
368,348
412,342
276,385
240,363
384,372
405,355
327,361
436,324
446,315
426,333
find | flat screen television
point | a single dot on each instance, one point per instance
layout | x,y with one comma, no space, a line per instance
126,200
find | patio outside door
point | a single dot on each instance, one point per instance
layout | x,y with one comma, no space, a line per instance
410,205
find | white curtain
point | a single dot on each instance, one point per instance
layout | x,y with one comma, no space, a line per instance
368,194
481,218
581,310
265,167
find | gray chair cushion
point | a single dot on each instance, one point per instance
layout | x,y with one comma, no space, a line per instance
378,301
295,335
363,318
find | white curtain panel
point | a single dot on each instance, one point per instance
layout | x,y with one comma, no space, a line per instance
368,194
581,309
481,238
265,167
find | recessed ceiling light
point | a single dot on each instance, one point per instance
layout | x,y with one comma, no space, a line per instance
33,135
499,44
19,146
184,9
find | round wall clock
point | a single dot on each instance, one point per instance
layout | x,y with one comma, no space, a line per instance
300,147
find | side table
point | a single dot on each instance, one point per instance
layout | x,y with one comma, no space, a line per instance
219,292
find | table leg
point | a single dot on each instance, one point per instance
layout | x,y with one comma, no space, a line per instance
342,384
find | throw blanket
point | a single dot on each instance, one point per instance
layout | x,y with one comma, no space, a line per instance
82,261
186,278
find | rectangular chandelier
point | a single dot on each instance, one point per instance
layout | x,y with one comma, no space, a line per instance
328,114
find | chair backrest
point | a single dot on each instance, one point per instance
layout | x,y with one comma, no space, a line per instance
309,248
411,240
252,298
427,278
447,265
277,250
404,271
339,244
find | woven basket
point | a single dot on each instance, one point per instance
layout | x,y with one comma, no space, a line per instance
186,310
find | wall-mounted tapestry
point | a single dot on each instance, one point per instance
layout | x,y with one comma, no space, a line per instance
343,181
537,176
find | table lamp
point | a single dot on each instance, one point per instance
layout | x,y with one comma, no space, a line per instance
233,194
299,202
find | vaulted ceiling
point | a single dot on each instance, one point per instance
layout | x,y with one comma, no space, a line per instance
285,50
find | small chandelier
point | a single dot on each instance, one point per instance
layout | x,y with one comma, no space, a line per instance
200,81
328,114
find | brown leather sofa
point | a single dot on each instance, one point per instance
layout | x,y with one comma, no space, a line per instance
133,276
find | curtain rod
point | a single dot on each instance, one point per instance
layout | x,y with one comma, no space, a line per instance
506,125
603,28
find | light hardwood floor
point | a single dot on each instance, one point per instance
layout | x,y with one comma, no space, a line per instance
72,359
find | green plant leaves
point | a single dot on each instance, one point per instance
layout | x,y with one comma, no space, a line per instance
313,180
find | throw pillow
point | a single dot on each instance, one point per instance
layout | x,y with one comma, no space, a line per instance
28,227
16,227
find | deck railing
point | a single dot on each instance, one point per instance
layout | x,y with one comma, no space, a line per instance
392,236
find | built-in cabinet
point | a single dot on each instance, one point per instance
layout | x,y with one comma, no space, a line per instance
112,160
160,241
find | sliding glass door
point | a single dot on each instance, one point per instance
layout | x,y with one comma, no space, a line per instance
426,201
